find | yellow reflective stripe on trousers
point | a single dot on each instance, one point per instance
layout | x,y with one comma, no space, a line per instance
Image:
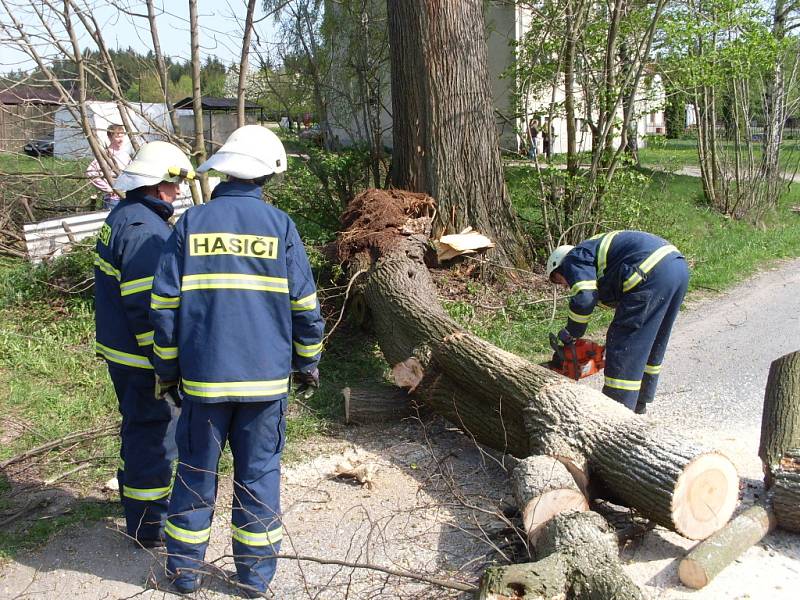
578,318
167,353
216,389
234,281
307,351
307,303
646,266
123,358
264,538
652,369
145,339
135,286
106,267
159,302
187,535
146,494
581,286
602,252
623,384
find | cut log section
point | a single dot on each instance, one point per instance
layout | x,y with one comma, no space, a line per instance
711,556
578,559
544,488
376,405
786,492
515,406
780,423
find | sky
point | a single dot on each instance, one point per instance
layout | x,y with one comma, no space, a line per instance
221,23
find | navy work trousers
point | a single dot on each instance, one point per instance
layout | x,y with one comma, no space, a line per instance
637,337
256,433
147,452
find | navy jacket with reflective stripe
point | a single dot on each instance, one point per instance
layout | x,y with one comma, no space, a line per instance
605,267
234,301
127,252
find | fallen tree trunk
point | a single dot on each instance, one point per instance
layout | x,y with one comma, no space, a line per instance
376,405
780,422
711,556
514,406
578,559
786,491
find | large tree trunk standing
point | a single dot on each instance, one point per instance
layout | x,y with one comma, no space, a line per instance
444,136
515,406
780,422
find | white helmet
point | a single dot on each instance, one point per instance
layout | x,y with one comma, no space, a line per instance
250,152
556,258
153,163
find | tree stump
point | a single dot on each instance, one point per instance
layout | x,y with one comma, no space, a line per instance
544,488
786,491
780,422
578,559
711,556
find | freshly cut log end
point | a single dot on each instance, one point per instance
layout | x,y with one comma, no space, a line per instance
705,496
711,556
540,510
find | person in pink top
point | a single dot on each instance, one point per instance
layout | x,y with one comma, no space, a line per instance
117,155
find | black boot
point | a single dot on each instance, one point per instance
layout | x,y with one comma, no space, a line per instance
641,408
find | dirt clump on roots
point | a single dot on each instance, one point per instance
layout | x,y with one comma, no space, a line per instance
376,220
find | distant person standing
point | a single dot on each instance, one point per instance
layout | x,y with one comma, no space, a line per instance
546,139
533,135
118,157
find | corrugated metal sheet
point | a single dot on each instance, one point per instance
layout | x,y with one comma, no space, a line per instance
50,238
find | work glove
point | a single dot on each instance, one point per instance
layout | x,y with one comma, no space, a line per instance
307,383
168,391
566,338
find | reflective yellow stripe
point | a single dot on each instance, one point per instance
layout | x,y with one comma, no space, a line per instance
145,339
307,303
187,535
583,285
216,389
166,353
160,302
264,538
308,351
602,253
146,494
646,266
136,285
106,267
578,318
123,358
235,281
652,369
623,384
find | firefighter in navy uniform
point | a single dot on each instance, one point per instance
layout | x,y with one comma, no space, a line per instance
128,248
235,312
645,278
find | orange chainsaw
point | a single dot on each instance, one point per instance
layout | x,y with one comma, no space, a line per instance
578,360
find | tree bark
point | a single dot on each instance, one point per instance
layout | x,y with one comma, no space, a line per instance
197,99
243,64
381,405
445,139
710,557
786,497
780,422
578,560
520,408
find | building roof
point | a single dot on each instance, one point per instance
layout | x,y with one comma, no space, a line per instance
212,104
30,94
